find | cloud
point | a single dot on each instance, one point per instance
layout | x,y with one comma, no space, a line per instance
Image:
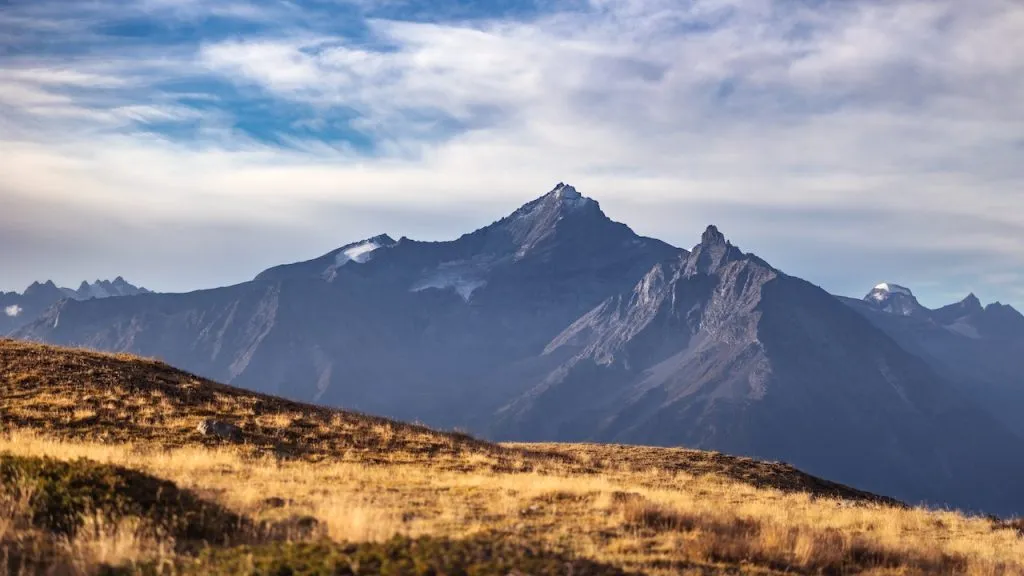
891,129
13,311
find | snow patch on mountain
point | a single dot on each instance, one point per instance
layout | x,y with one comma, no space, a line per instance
360,253
464,287
461,276
13,311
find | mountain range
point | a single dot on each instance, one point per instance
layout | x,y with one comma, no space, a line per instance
979,349
557,323
20,309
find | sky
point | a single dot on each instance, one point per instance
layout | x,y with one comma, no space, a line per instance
187,144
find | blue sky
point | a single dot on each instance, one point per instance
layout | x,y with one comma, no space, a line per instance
192,143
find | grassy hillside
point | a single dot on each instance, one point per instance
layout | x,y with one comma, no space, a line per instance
102,463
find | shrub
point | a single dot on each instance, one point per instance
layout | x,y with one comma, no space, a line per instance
61,495
400,556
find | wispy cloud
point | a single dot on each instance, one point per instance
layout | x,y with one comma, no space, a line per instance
876,129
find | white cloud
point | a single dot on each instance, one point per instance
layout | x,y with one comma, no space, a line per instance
670,114
13,311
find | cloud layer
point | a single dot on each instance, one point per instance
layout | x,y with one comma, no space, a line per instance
190,144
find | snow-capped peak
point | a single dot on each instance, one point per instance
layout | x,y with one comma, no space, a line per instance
884,289
895,299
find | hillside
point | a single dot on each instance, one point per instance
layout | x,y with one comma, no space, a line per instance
327,490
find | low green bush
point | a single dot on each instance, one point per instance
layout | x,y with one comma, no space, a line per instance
400,556
61,495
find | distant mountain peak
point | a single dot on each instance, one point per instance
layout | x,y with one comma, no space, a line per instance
566,190
569,197
712,236
104,289
972,303
37,289
538,223
568,193
561,198
895,299
1004,310
885,289
713,252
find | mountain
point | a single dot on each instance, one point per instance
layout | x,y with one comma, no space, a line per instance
104,289
719,350
980,349
21,309
443,332
895,299
557,323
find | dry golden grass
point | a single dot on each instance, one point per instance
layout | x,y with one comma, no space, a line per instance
328,474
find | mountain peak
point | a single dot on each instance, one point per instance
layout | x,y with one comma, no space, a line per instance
886,290
39,288
565,190
895,299
1005,310
968,307
104,289
567,195
713,252
972,303
540,221
712,236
